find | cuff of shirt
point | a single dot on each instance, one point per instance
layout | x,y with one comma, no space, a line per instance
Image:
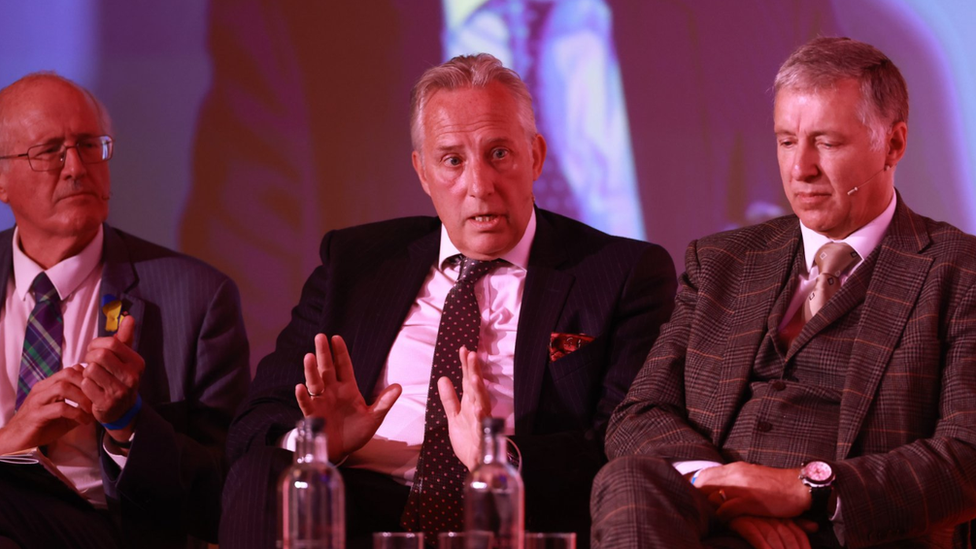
289,441
118,454
693,466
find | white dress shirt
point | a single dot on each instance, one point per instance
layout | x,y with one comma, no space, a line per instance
78,281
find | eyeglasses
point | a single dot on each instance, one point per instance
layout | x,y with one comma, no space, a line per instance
49,157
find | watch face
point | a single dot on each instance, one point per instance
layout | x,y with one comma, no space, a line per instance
817,471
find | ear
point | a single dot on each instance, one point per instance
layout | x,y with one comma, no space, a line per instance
418,166
538,155
896,144
3,188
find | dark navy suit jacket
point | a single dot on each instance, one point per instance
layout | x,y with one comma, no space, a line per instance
579,280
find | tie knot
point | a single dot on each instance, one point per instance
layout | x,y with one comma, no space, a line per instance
44,290
835,257
473,269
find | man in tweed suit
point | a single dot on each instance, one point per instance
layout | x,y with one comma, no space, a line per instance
747,426
133,414
565,320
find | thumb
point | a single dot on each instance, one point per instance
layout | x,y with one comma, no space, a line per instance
127,330
449,398
385,400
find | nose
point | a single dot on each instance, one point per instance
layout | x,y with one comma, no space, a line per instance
73,166
480,179
805,163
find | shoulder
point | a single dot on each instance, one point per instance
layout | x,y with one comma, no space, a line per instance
734,245
581,239
381,237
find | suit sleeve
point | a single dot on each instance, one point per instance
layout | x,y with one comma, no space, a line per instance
558,468
928,485
652,419
174,473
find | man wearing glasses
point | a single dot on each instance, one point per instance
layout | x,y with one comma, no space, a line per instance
127,426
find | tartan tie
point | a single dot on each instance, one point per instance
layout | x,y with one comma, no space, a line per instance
43,339
435,501
833,258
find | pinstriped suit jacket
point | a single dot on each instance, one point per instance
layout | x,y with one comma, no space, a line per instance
579,281
906,446
190,332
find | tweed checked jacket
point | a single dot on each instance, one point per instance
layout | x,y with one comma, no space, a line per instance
906,444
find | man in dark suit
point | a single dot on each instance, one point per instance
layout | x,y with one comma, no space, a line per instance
565,316
142,367
778,411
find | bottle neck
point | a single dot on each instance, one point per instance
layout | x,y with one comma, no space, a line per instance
311,447
494,448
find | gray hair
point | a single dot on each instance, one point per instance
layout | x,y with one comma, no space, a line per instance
823,62
468,71
11,92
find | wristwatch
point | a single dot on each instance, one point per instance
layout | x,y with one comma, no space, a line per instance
819,477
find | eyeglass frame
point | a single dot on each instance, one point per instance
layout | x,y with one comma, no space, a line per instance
104,140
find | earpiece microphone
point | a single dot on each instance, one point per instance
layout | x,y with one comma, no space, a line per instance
857,188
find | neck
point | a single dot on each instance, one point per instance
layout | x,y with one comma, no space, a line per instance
48,252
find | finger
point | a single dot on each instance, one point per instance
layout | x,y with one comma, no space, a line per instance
313,380
733,507
127,330
771,533
343,363
303,398
121,361
449,397
101,380
385,400
808,526
323,359
799,536
748,530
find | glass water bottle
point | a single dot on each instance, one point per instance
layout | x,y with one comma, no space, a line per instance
493,492
311,494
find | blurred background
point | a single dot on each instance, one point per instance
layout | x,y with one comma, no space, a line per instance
245,129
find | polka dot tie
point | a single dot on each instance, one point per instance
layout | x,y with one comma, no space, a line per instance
435,503
832,259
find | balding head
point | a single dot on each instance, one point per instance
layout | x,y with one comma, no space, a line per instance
59,194
23,89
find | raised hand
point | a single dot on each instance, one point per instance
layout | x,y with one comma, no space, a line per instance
464,416
330,392
44,415
111,380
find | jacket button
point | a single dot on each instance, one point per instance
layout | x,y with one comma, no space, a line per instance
779,385
764,426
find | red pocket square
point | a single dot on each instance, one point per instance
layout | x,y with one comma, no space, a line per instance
561,345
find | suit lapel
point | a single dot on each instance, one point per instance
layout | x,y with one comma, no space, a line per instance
765,275
891,295
396,284
6,262
119,279
546,289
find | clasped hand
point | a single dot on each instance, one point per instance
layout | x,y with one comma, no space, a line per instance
330,392
103,391
761,504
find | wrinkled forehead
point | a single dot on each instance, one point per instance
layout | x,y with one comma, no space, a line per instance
48,108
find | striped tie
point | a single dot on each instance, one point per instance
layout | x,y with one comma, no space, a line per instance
42,341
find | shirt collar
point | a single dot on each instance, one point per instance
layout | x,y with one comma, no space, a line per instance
66,276
517,256
863,240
